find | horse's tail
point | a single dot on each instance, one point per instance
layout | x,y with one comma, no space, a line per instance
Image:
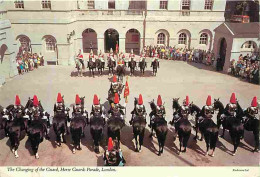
96,134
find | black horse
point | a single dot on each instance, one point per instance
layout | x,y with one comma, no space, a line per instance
160,126
132,65
155,65
251,123
111,66
114,126
77,126
96,130
29,107
220,107
142,66
17,129
36,131
232,123
60,127
91,66
120,71
139,123
99,66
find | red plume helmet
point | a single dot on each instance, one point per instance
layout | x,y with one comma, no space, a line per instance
114,78
110,145
159,100
17,100
187,100
233,99
116,99
59,98
208,102
77,100
254,102
140,100
35,101
95,100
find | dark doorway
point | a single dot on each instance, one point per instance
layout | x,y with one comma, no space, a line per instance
111,38
222,53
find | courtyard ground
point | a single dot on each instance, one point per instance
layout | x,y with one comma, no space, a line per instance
174,79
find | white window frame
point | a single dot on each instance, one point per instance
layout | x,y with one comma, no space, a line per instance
46,4
204,38
19,4
208,4
185,3
50,44
182,38
163,4
161,37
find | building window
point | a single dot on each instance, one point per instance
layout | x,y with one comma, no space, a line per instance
182,38
208,4
46,4
161,38
163,4
185,5
19,4
91,4
248,45
111,4
50,44
204,38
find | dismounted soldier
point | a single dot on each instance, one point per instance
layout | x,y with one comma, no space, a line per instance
40,114
116,107
252,111
97,107
80,57
160,111
91,56
113,156
139,109
231,107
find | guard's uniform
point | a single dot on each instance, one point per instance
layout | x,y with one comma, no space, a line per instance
80,57
139,109
91,57
97,108
208,111
252,111
116,108
78,108
156,58
231,108
159,112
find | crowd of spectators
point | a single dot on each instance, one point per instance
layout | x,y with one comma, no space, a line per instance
246,67
184,54
27,61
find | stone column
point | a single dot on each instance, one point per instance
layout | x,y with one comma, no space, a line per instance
122,44
100,41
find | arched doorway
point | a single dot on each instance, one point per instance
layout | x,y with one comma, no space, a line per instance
25,43
111,37
5,64
222,53
50,49
162,37
89,41
132,41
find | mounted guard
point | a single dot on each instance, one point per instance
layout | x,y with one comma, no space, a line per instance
139,108
97,108
116,108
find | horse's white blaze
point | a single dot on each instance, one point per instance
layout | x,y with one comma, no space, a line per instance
16,154
37,156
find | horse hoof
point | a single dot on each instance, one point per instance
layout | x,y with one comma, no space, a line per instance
206,153
212,155
136,150
233,154
73,151
37,156
159,154
80,149
140,150
16,156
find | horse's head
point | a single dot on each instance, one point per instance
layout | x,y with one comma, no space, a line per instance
175,103
82,100
194,108
136,101
217,104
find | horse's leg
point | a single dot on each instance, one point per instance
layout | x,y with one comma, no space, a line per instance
136,142
256,137
223,133
207,144
151,135
63,137
218,121
202,136
180,140
141,140
196,136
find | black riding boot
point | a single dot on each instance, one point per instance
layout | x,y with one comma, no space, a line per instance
131,121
